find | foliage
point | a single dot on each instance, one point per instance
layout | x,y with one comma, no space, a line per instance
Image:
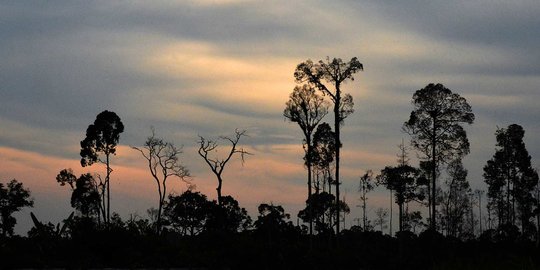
85,196
188,212
511,179
407,184
102,137
328,76
13,197
435,127
456,202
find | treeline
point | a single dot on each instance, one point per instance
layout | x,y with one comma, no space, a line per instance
190,230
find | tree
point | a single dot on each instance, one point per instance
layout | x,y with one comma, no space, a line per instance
307,109
435,127
328,77
102,138
163,162
324,150
188,212
381,215
272,220
228,216
216,164
13,197
406,182
511,179
320,208
455,201
85,193
366,185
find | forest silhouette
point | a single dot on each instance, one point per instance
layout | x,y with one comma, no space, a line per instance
442,222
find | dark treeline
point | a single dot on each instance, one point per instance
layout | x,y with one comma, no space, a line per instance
189,230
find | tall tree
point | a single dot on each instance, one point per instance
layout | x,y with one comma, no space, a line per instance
328,76
435,127
102,138
511,179
13,197
307,109
365,186
163,162
216,164
456,201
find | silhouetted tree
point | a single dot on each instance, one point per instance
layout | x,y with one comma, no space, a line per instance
320,208
188,212
511,179
413,221
406,182
366,185
456,201
228,216
381,216
102,137
436,130
272,221
163,162
85,193
13,197
328,76
307,109
324,151
217,165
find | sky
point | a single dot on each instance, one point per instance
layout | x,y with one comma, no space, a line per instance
190,68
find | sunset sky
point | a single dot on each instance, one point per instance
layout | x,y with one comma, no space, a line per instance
192,68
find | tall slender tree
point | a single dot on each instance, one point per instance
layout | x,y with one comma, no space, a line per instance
366,185
306,108
102,138
163,162
328,76
435,127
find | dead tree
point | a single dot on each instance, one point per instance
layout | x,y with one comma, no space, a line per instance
216,164
163,162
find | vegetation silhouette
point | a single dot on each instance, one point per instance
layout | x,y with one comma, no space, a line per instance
102,137
163,162
216,164
188,230
307,109
328,76
436,130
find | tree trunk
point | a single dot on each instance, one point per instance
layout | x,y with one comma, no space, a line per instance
400,217
108,190
391,206
434,177
308,163
220,181
338,146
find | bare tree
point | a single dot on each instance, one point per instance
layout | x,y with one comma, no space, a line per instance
216,164
163,162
